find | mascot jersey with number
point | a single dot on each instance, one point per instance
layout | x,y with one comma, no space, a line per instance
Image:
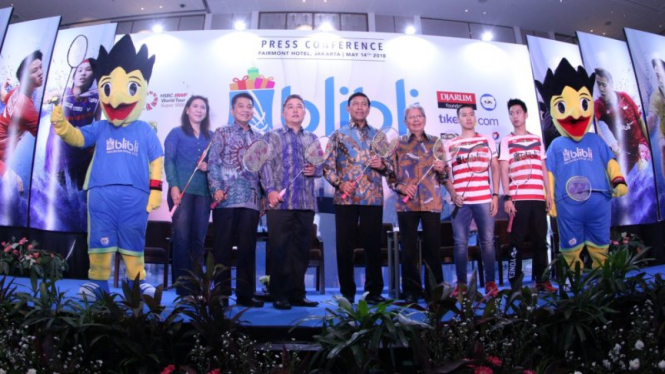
583,174
124,180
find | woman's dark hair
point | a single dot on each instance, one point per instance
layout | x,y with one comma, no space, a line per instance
184,118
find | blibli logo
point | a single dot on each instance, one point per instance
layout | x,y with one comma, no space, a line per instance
122,146
579,154
263,107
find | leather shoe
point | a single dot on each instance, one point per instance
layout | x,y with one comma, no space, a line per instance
411,299
304,302
281,304
374,299
250,302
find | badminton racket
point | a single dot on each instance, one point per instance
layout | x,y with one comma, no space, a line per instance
256,155
316,154
475,163
439,153
197,168
579,188
383,144
521,169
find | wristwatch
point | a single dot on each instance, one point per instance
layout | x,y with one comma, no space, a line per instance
507,198
495,194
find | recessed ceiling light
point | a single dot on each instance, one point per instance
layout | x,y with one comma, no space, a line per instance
240,25
484,12
466,10
142,8
603,33
487,36
160,7
410,30
591,30
157,28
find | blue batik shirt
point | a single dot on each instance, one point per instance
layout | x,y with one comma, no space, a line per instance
288,161
349,158
225,170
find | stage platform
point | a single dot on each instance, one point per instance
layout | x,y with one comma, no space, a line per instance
273,324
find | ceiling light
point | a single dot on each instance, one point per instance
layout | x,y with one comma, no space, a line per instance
487,36
240,25
591,30
157,28
326,26
466,10
484,12
410,30
142,8
160,7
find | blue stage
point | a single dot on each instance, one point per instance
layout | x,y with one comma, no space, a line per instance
266,317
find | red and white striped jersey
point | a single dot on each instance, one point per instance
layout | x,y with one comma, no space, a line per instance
474,186
525,155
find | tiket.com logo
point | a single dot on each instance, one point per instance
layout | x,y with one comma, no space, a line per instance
122,146
454,100
151,100
579,154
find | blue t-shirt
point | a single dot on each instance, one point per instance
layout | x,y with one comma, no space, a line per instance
122,154
567,158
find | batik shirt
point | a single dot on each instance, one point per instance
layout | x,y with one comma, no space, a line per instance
348,161
412,160
285,169
225,170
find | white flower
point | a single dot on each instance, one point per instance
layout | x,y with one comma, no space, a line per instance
31,371
639,345
4,372
661,365
577,372
634,364
617,348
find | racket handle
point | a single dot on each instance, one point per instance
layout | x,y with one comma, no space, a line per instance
344,195
510,223
213,205
282,193
406,199
172,211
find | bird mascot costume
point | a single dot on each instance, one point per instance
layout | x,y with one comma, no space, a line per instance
124,181
583,174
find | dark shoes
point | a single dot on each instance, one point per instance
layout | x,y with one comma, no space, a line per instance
304,302
375,299
351,298
281,304
249,302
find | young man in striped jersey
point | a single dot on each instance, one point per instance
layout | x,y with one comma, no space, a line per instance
472,194
527,200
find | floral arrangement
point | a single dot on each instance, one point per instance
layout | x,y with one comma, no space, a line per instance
20,258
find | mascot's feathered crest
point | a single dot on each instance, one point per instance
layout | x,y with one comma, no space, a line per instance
568,95
123,54
564,75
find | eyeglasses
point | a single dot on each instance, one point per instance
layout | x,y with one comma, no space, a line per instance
418,116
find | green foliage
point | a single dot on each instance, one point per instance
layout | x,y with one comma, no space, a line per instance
18,258
353,335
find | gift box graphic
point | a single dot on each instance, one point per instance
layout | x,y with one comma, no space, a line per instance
262,90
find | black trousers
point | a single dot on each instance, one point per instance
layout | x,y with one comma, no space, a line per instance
236,227
369,237
531,217
289,241
411,270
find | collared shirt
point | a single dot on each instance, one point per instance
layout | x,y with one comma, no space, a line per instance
348,161
412,160
525,155
225,170
475,187
285,169
181,154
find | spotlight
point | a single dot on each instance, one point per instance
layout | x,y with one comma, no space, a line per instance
410,30
326,26
157,28
487,36
240,25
